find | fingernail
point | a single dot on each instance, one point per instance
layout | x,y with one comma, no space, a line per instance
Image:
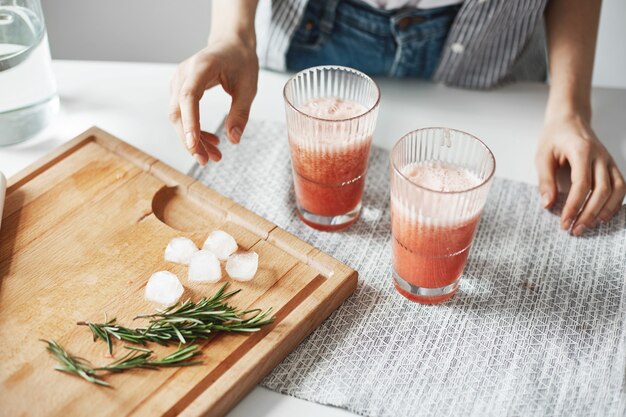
235,134
545,199
199,159
579,230
215,156
189,140
567,223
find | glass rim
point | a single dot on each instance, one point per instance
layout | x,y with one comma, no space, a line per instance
340,67
482,183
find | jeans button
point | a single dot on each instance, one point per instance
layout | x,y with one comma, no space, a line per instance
406,21
309,25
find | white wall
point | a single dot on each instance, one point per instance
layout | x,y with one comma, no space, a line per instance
610,66
172,30
127,30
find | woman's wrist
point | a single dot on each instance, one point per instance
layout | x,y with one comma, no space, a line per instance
245,38
233,22
567,107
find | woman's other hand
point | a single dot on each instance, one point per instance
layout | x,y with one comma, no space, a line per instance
598,187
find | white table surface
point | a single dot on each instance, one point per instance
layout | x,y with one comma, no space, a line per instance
130,100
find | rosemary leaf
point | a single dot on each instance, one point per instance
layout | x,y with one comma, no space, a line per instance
73,364
185,323
136,358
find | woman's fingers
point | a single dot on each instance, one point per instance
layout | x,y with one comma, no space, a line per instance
189,104
210,137
202,145
614,203
600,194
546,169
598,188
239,112
581,186
199,152
175,117
209,143
187,88
213,152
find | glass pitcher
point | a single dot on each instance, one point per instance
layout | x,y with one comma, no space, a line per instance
28,97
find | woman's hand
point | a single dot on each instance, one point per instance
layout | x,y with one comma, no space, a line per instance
598,187
230,62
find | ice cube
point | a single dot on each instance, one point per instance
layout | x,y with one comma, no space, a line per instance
164,288
180,250
204,267
221,244
242,266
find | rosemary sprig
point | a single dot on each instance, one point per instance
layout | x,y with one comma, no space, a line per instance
185,323
105,330
135,358
142,358
73,364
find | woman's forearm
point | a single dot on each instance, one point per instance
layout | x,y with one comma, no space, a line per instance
598,187
233,18
571,28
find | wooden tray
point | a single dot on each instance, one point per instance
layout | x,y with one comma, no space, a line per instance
82,231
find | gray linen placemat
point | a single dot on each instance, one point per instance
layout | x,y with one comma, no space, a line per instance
538,327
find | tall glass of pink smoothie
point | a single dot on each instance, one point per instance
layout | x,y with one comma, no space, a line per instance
331,116
440,179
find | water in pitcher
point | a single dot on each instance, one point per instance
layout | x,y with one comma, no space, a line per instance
28,98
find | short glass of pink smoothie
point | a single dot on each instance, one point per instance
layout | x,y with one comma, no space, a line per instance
440,179
331,116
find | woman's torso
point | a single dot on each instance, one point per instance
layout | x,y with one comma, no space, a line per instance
487,42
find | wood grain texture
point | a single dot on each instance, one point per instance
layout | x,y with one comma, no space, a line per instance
84,228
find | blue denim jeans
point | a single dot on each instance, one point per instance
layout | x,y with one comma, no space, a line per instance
398,43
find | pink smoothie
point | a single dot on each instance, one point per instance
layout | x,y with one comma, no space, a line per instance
430,249
329,163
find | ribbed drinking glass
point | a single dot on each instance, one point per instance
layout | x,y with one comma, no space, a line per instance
440,179
331,116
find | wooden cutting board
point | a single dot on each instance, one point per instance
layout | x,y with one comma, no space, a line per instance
82,231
